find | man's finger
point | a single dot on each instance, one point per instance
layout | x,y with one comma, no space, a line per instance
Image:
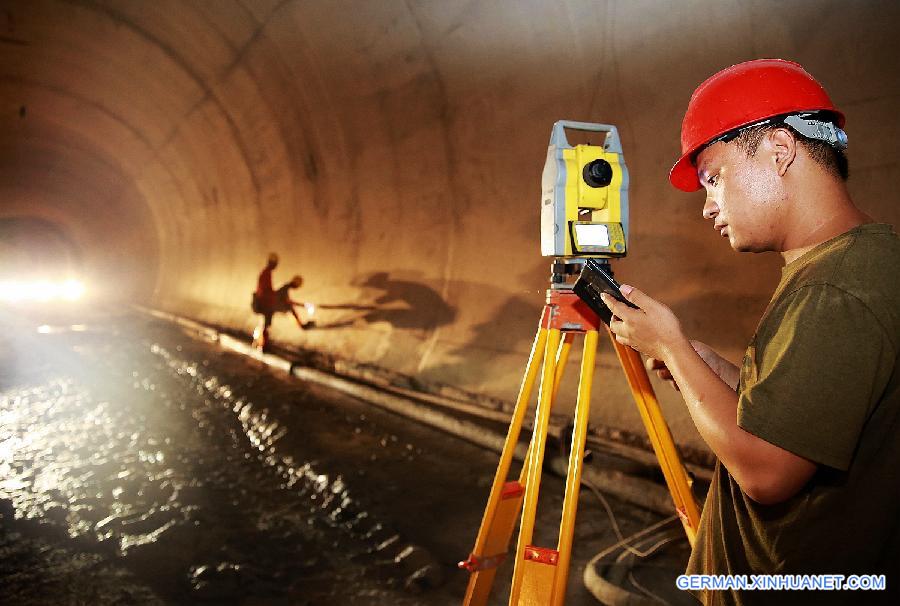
654,364
618,327
618,308
636,296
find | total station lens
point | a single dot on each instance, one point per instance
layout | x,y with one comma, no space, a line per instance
597,173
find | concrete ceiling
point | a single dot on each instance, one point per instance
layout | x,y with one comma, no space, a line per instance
391,152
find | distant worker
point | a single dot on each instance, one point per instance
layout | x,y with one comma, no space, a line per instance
267,301
264,301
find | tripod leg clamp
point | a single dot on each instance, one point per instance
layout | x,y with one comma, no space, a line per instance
475,563
543,555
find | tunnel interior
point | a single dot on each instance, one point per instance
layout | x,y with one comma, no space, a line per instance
391,154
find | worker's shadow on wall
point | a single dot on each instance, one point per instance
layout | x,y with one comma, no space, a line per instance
405,303
341,307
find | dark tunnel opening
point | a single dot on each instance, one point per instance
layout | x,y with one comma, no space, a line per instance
34,248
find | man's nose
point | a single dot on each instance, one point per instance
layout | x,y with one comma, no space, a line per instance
710,208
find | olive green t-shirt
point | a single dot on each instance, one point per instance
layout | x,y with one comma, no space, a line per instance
821,380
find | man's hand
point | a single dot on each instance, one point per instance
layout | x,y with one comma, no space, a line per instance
653,329
662,371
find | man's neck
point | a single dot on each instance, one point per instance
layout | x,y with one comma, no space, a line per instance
822,213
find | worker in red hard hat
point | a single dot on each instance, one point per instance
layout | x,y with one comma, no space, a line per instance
268,301
806,429
263,302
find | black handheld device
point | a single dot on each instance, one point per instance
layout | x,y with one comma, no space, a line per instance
594,279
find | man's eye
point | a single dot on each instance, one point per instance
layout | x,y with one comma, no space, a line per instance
712,179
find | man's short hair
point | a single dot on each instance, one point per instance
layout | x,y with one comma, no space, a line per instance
832,160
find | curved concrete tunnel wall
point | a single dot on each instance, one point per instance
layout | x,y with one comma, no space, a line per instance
391,152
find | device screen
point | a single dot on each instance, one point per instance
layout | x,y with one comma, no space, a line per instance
591,234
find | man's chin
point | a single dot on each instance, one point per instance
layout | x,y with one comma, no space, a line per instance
747,247
738,245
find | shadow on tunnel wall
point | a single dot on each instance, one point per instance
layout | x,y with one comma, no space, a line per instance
405,302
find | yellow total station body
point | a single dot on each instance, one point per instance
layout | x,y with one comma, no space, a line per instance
584,195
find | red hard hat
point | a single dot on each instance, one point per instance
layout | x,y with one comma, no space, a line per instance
740,95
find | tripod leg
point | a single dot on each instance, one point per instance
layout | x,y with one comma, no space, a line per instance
660,437
541,576
562,358
576,464
505,498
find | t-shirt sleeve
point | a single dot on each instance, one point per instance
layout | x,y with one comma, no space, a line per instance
813,380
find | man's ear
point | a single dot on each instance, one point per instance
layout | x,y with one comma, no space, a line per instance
783,149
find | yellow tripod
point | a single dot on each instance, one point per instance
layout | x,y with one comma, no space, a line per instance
541,574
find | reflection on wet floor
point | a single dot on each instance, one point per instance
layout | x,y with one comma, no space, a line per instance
140,466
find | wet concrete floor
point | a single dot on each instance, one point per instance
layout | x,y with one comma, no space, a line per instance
142,465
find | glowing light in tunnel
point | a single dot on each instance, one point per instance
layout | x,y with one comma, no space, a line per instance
72,290
41,291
